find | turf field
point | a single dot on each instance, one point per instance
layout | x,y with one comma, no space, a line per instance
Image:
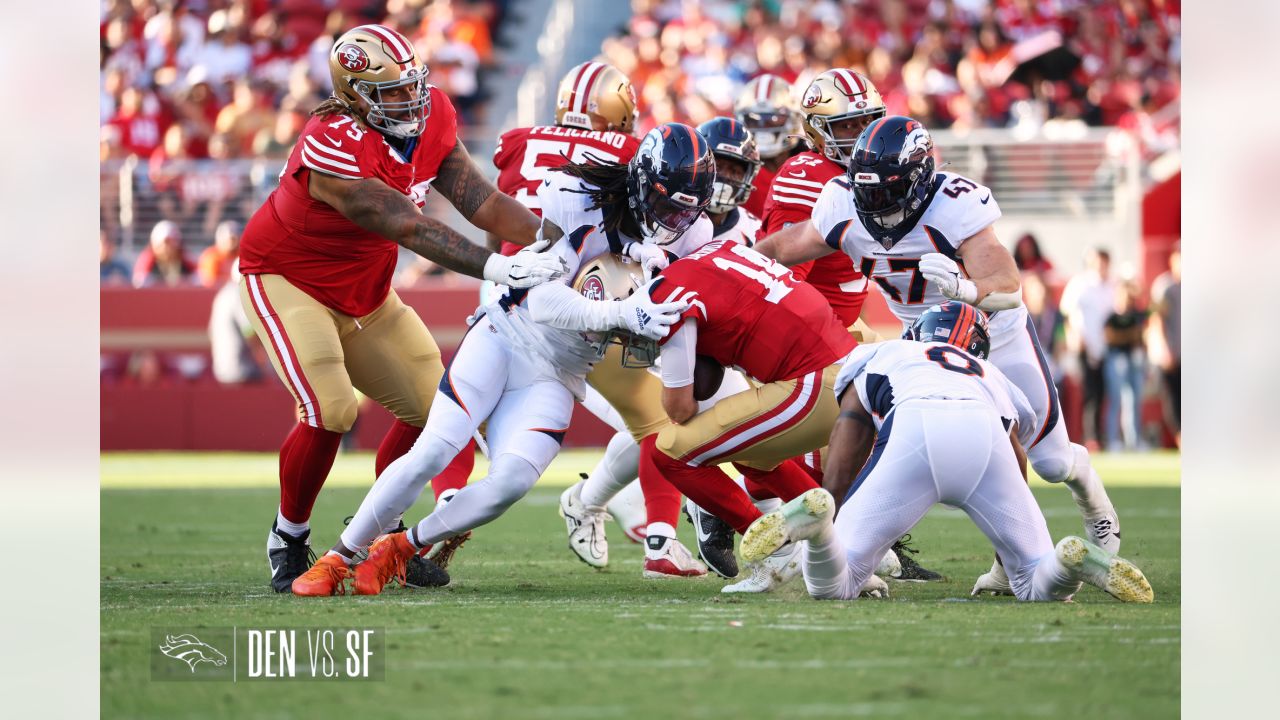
526,630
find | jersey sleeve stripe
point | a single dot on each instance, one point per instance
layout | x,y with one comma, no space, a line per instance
793,192
328,161
329,150
788,180
791,201
307,160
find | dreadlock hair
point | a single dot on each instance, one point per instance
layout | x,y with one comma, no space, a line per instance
332,106
607,187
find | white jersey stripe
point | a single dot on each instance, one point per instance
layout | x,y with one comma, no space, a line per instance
282,349
330,150
787,179
788,414
319,162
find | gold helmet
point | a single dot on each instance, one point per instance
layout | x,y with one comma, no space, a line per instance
596,96
844,98
377,75
608,277
767,109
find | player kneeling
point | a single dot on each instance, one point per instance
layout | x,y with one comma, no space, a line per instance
948,427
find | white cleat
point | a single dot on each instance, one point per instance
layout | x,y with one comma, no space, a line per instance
1104,531
890,566
585,526
627,509
874,587
994,581
775,571
667,557
1113,575
796,520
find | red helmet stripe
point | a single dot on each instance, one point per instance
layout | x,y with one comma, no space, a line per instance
838,76
762,88
400,49
585,96
577,83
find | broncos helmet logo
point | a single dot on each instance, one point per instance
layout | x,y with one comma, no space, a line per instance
189,649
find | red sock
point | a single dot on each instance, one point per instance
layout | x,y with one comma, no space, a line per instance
812,464
788,480
395,443
454,475
710,487
305,460
661,498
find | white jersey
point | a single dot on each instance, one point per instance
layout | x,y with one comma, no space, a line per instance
958,209
568,353
888,373
739,226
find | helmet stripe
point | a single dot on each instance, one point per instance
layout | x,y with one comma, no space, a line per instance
838,79
693,138
400,49
584,97
762,88
583,70
851,82
875,128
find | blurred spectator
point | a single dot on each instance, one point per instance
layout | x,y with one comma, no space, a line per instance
247,114
111,271
1125,370
229,333
223,56
1165,340
163,262
1029,259
138,122
1047,320
1086,304
214,265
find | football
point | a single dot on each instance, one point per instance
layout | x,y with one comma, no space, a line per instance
707,376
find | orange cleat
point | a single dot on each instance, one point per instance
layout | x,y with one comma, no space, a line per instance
326,577
386,560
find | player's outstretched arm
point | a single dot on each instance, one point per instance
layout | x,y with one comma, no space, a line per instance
794,244
376,207
462,183
849,445
993,282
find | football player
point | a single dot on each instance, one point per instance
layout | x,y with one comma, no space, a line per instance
924,237
947,427
737,164
318,256
767,109
525,358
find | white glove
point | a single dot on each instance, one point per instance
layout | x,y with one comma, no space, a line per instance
640,315
651,257
526,268
943,272
874,587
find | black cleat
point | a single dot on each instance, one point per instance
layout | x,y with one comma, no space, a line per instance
288,556
715,540
420,572
911,570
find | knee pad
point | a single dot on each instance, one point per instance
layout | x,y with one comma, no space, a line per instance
339,415
1061,468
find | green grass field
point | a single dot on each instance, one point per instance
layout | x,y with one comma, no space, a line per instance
526,630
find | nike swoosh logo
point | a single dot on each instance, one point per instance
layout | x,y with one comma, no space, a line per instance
274,569
986,199
802,173
330,139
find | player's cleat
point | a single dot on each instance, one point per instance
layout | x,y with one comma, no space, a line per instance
627,509
419,572
442,552
288,556
890,565
775,571
715,540
1104,531
387,557
796,520
1113,575
874,587
994,581
911,570
585,527
327,577
667,557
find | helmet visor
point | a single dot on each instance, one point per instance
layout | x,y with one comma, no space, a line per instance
883,203
670,214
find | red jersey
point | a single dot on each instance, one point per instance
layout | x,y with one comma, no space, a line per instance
315,247
525,155
752,312
791,197
755,203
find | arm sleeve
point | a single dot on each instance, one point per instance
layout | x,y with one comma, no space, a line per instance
679,355
557,305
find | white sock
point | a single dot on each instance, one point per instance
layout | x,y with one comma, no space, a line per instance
345,559
826,568
1050,581
766,505
619,466
658,529
1090,496
292,528
396,490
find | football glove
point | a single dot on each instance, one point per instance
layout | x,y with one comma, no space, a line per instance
943,272
640,315
651,257
526,268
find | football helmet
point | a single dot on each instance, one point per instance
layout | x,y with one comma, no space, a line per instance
766,107
892,173
377,75
669,182
837,106
613,277
731,143
596,96
954,323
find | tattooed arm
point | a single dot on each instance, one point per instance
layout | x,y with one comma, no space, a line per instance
462,184
378,208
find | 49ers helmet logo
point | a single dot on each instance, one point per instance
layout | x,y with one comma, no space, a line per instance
593,288
811,96
353,58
